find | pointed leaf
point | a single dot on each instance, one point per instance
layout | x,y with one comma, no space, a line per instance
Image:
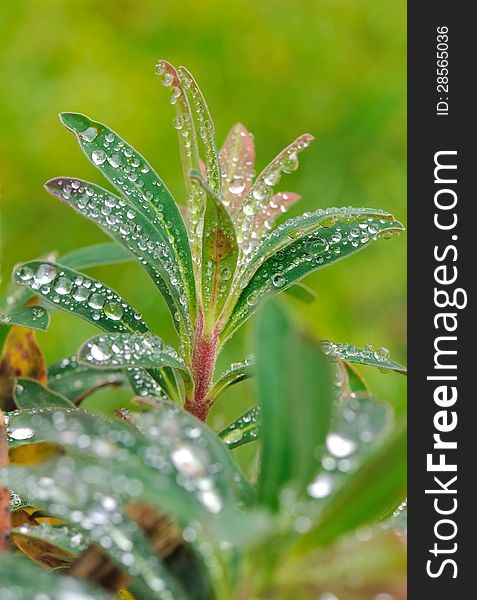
123,350
243,430
257,200
130,227
28,393
271,211
234,374
206,129
219,255
19,573
21,357
76,382
302,256
367,356
79,294
295,403
34,317
141,187
237,157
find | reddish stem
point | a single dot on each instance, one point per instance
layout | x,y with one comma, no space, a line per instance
203,363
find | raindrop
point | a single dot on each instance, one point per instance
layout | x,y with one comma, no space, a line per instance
340,446
113,310
81,293
63,286
45,274
233,436
96,301
98,157
321,486
89,134
237,185
22,433
278,280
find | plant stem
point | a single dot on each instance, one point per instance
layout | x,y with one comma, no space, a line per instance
203,364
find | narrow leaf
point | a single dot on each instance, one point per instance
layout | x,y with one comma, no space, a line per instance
206,129
234,374
76,293
302,292
367,356
139,185
33,317
130,227
123,350
295,402
257,200
243,430
219,255
28,393
302,256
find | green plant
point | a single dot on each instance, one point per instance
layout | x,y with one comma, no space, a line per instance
213,261
331,460
331,463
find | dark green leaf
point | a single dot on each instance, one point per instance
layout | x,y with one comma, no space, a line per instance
80,295
129,226
140,186
308,253
295,392
367,356
28,393
123,350
243,430
234,374
34,317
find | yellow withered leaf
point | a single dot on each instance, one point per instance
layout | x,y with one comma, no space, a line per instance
21,357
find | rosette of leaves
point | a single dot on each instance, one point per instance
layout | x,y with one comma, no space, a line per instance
214,258
320,516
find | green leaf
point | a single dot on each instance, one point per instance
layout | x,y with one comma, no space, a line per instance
367,356
141,187
34,317
123,350
254,207
174,463
16,296
18,573
234,374
129,226
219,255
75,382
295,400
60,487
328,242
206,129
107,253
80,295
376,488
243,430
28,393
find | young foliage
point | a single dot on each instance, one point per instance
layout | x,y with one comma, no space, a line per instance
213,260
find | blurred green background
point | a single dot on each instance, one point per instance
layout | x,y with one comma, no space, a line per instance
333,68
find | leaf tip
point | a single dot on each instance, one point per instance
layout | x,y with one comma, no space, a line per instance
75,122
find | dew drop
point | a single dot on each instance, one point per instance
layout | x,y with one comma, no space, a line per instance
96,301
237,186
45,274
98,157
113,310
22,433
63,286
340,446
25,273
278,280
233,436
89,134
81,293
